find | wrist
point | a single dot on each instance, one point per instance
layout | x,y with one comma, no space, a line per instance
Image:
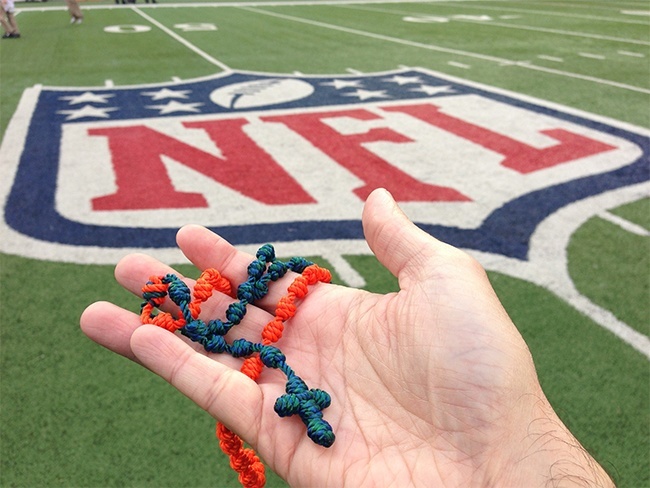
549,455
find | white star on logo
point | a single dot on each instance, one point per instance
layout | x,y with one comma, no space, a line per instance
433,90
366,94
338,84
87,111
87,97
403,80
166,93
174,106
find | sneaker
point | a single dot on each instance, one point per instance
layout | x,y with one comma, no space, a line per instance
79,20
15,35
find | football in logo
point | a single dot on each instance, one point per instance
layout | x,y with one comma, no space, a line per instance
260,93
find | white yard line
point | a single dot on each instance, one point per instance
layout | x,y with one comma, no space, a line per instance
432,47
381,37
178,38
624,224
578,76
344,269
636,12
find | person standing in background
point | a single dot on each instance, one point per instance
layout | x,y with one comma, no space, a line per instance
8,20
76,17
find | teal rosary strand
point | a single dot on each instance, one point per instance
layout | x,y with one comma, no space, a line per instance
298,399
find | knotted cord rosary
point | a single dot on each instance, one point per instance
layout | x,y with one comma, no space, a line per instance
298,399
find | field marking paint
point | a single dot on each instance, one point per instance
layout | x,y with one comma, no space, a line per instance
458,65
636,12
183,41
630,53
591,56
126,29
624,224
109,83
380,37
551,58
432,47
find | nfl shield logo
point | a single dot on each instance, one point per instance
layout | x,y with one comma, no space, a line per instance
91,173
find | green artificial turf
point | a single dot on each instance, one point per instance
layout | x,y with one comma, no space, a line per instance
76,415
598,385
73,414
612,266
636,212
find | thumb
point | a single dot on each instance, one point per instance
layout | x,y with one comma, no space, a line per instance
404,249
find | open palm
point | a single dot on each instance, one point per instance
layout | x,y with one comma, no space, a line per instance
430,386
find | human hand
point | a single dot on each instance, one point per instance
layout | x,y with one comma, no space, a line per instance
431,386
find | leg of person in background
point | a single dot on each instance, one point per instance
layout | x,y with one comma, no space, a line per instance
8,20
76,17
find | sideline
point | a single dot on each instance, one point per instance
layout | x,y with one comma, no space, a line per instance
561,14
270,3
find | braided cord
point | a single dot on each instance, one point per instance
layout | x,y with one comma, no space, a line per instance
298,398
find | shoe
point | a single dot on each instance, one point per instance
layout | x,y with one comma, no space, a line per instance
15,35
79,20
